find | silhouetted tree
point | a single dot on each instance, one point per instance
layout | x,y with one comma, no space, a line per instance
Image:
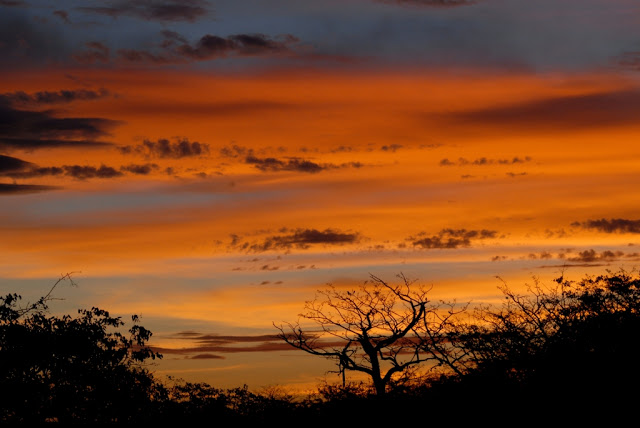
578,340
71,369
379,329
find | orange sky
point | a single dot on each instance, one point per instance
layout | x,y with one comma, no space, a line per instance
216,201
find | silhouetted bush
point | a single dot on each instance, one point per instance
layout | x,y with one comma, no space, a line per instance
565,353
71,369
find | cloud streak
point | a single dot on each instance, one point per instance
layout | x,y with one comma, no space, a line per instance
30,130
600,109
52,97
483,161
450,238
80,172
154,10
298,238
163,148
614,225
175,49
16,189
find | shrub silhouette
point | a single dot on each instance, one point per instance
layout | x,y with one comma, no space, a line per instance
573,343
571,347
71,369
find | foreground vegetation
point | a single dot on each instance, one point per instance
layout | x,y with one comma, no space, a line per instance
568,351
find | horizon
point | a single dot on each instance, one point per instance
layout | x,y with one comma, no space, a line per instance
210,165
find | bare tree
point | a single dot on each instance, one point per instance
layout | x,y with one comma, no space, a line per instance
378,329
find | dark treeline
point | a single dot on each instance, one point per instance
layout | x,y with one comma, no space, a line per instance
566,352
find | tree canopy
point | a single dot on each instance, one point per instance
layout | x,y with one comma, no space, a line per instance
379,329
66,368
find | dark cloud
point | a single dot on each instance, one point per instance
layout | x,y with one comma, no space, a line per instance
271,164
97,52
614,225
485,161
591,255
80,172
139,169
52,97
298,238
83,172
291,164
515,174
174,49
430,3
450,238
26,39
205,344
12,3
62,14
391,147
206,357
10,164
564,112
12,189
29,130
236,151
154,10
163,148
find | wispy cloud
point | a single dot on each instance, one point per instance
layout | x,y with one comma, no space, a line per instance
52,97
297,238
174,49
154,10
10,189
30,130
163,148
450,238
614,225
483,161
599,109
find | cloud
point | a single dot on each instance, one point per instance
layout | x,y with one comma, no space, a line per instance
12,3
563,112
271,164
450,238
391,147
206,357
154,10
139,169
163,148
29,130
62,14
614,225
52,97
298,238
235,151
292,164
11,189
483,161
591,255
10,164
430,3
175,50
80,172
97,52
205,344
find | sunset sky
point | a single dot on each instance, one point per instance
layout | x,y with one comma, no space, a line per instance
209,165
